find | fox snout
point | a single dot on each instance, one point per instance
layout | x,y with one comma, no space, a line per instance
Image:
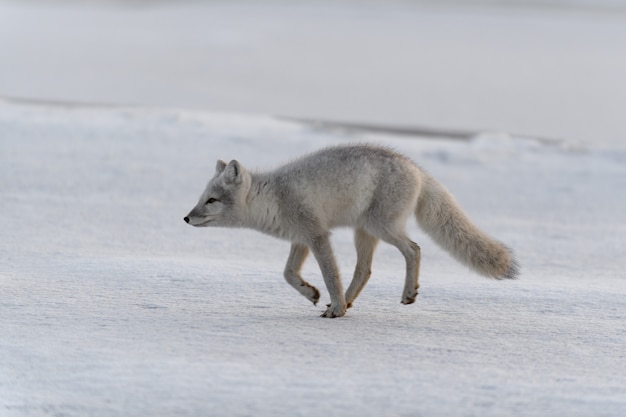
193,218
194,221
197,220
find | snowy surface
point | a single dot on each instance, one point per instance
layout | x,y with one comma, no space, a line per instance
110,305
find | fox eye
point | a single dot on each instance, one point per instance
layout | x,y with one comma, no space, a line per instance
211,200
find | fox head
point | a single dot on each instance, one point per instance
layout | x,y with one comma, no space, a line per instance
223,200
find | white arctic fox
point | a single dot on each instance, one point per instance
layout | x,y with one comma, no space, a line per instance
372,189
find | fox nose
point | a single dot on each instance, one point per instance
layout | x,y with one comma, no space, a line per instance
186,219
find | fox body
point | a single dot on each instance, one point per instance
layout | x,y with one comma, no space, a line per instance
369,188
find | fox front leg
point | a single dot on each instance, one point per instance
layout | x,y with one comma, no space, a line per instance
297,255
323,253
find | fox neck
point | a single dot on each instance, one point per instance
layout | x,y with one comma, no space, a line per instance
262,209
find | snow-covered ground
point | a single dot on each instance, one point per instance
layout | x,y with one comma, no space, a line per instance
110,305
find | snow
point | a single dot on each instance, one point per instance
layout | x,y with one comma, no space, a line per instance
110,305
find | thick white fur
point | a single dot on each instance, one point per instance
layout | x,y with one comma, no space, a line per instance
371,189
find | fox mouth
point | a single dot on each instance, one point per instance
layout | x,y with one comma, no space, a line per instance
204,223
191,223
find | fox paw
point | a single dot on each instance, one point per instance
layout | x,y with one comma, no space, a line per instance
334,311
409,298
310,293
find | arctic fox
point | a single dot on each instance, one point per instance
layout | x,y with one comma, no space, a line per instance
369,188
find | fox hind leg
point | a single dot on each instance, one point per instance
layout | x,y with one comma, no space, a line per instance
296,259
411,283
412,255
365,245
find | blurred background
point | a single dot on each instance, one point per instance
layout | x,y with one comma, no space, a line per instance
542,68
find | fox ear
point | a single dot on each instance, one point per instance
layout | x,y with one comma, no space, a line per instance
219,167
232,172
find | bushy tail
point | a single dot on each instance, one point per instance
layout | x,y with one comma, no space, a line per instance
443,220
